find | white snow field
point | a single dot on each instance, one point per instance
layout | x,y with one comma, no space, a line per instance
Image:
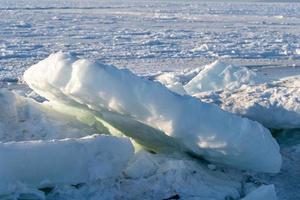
202,128
242,57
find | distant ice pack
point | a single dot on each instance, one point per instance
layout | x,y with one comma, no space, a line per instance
162,118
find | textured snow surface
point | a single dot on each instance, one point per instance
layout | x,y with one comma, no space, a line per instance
202,128
275,104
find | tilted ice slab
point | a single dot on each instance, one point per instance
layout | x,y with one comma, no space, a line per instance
219,75
275,105
67,161
203,128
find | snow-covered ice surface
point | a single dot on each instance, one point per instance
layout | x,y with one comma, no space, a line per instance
158,40
148,36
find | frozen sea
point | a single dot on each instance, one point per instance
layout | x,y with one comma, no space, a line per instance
149,37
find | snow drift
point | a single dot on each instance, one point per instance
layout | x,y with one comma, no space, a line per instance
219,75
202,128
67,161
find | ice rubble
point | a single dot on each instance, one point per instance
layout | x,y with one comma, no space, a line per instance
117,94
32,162
67,161
157,176
275,105
243,92
219,75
